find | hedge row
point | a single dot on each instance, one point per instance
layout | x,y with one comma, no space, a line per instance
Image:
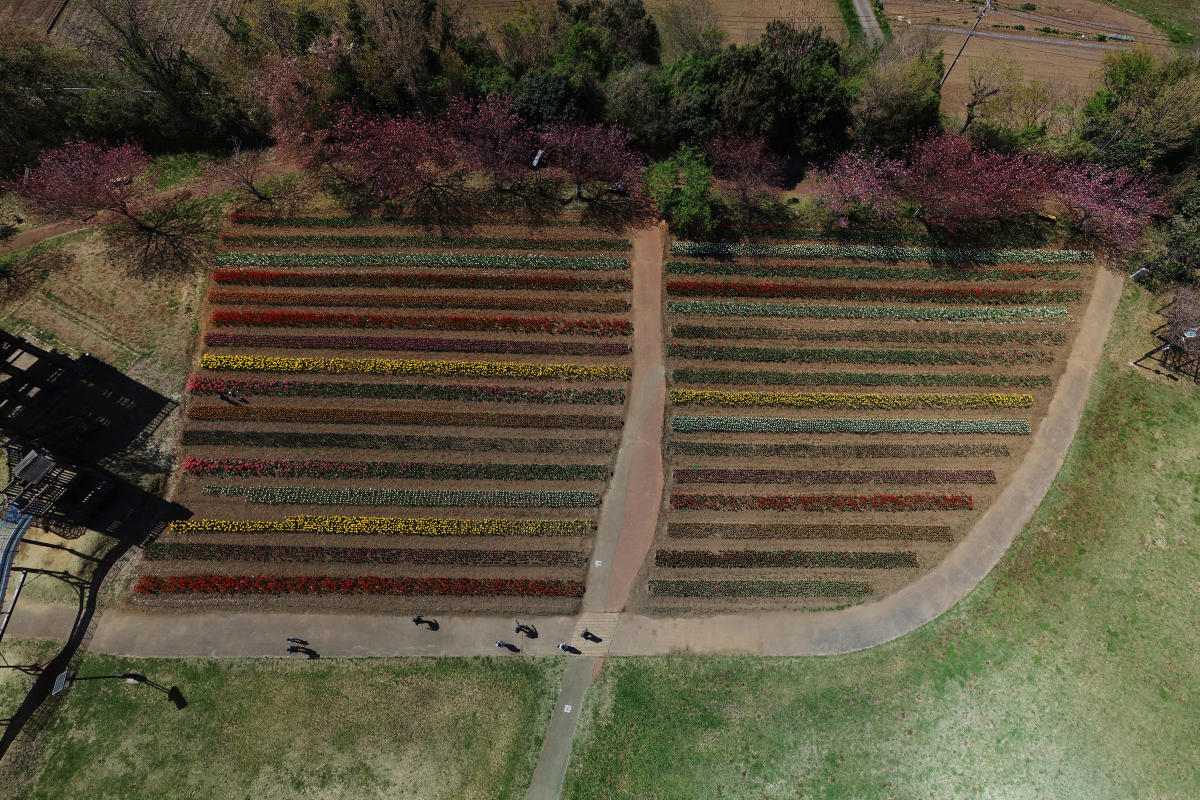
778,378
721,530
321,319
328,584
894,294
421,280
314,240
805,477
913,451
261,220
411,470
391,526
375,441
783,230
453,260
847,355
859,402
407,498
380,416
237,297
760,589
299,342
783,559
454,392
384,366
863,426
870,335
920,314
832,271
190,551
879,253
819,502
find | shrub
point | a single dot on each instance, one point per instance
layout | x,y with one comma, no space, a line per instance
260,221
817,502
376,441
189,551
864,273
379,526
325,319
896,294
802,588
449,260
382,416
805,477
863,426
777,378
421,280
411,470
916,314
309,241
858,402
937,255
908,451
234,297
783,559
301,342
870,335
407,498
723,530
832,355
326,584
382,366
455,392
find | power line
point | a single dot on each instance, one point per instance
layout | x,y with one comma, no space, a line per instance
978,19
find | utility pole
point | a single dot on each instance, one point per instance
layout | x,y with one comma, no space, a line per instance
978,19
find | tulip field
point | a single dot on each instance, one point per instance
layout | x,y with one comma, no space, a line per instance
840,415
389,419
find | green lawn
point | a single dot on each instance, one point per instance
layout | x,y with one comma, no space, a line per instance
1071,672
1179,18
279,728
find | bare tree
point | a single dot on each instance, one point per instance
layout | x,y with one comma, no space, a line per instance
248,172
996,74
691,27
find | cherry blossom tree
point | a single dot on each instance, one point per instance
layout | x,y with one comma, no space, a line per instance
1115,206
745,166
493,137
858,182
295,92
594,157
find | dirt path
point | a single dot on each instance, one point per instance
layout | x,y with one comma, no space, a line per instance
866,18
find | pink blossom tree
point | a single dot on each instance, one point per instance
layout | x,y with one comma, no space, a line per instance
857,182
744,166
493,137
1115,206
593,157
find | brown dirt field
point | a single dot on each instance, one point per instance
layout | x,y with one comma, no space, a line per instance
35,14
1050,59
192,21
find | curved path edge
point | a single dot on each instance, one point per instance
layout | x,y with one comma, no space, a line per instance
860,627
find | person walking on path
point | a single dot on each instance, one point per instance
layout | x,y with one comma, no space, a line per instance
294,640
503,644
418,620
566,648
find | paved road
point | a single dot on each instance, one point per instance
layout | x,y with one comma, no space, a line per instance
866,16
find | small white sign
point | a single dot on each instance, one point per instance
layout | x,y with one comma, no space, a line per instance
597,563
566,709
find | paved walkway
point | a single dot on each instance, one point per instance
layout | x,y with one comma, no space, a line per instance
866,16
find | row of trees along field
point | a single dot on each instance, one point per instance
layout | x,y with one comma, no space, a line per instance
397,103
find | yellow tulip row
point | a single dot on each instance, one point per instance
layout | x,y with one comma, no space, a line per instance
390,526
682,397
385,366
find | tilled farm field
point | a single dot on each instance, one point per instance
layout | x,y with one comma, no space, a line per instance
380,418
839,416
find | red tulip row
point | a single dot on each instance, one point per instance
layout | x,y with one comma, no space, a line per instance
895,294
801,588
421,280
914,477
779,559
330,584
321,319
827,502
284,341
240,297
377,416
410,470
189,551
720,530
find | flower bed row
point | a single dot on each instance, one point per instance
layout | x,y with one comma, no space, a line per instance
783,230
241,297
450,260
862,273
262,220
861,402
919,314
760,589
822,502
406,498
847,355
377,441
895,294
421,280
328,584
301,342
392,526
722,530
910,451
191,551
322,468
784,559
879,253
1013,427
381,416
383,366
778,378
454,392
805,477
322,319
900,335
316,240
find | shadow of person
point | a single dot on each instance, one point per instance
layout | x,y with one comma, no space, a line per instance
530,632
433,624
591,637
512,648
176,697
308,651
572,650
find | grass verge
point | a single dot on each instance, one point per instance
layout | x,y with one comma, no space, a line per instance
280,728
1072,671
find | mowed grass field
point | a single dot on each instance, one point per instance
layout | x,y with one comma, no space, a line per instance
1071,672
276,728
